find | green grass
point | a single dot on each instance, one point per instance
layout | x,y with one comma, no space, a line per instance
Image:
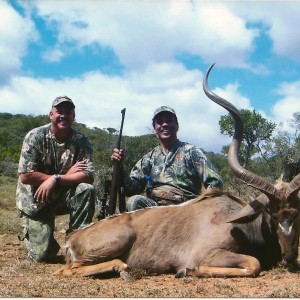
7,191
9,220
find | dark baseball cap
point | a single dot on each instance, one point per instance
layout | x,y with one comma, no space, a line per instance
163,109
61,99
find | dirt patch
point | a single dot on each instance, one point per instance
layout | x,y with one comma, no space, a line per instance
20,277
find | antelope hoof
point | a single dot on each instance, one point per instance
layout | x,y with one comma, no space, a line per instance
181,273
125,276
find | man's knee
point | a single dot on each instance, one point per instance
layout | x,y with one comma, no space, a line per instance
132,203
42,252
88,190
85,187
82,206
138,201
39,240
85,196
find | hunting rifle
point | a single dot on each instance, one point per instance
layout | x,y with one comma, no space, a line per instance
103,201
117,184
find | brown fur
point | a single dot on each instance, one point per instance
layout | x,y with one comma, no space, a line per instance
192,238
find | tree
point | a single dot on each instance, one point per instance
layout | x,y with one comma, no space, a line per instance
257,130
288,145
111,130
295,123
282,152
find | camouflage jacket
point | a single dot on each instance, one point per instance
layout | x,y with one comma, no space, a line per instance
41,152
185,168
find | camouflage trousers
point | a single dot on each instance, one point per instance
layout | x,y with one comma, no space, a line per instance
79,203
159,196
138,201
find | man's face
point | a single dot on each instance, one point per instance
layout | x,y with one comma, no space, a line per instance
166,126
62,116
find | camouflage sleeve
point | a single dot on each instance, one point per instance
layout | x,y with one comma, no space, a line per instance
87,155
135,183
206,170
29,158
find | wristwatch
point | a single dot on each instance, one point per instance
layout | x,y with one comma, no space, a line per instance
57,178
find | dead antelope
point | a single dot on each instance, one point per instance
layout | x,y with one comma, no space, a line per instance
212,235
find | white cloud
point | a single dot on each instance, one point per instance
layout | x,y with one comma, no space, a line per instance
280,19
145,36
99,100
15,32
288,104
141,33
283,20
145,32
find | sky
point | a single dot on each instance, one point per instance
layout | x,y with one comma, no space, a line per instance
108,55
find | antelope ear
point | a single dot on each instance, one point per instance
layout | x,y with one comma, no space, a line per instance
248,213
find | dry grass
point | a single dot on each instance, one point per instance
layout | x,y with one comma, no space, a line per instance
9,222
20,277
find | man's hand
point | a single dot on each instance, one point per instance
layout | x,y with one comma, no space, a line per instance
80,166
117,154
43,191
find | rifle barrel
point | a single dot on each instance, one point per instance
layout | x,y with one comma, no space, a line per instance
121,128
115,175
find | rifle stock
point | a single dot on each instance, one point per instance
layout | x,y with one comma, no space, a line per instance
113,190
121,191
103,201
115,181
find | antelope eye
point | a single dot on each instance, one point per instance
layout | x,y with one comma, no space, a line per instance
288,215
294,215
275,217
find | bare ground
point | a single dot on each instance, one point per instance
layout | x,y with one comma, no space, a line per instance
20,277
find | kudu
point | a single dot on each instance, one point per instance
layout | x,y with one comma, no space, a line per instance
215,234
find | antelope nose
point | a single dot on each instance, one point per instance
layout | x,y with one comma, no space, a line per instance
290,258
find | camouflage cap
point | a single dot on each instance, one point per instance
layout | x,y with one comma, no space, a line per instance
61,99
163,109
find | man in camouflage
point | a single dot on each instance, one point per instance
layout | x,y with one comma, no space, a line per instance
172,172
55,177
